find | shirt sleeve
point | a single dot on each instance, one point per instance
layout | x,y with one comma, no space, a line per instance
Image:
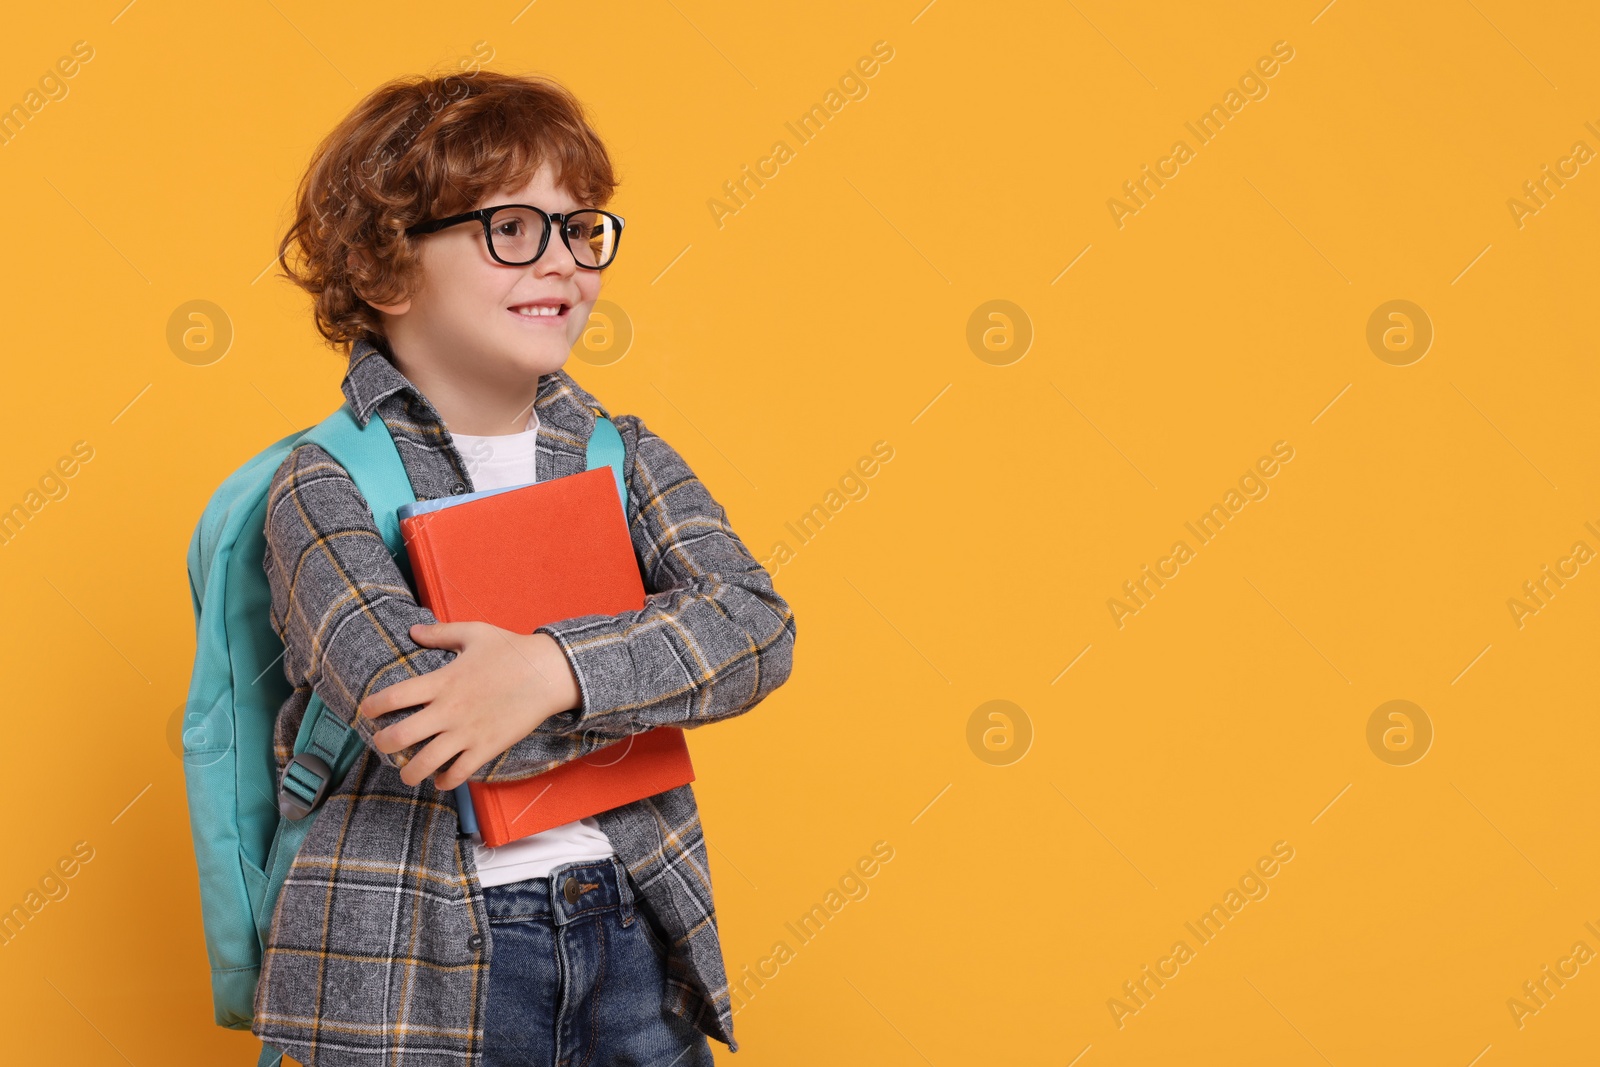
344,611
713,639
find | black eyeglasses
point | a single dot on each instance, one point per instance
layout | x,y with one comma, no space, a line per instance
517,234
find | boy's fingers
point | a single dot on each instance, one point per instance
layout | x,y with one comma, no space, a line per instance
409,693
465,766
430,759
407,732
442,634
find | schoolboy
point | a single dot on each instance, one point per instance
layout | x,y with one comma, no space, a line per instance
396,940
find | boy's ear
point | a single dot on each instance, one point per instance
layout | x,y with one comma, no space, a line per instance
353,260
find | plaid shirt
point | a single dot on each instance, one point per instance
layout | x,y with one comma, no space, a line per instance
379,948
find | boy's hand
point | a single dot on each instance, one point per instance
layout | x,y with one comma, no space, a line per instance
498,689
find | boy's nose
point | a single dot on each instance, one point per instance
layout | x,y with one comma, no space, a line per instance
556,257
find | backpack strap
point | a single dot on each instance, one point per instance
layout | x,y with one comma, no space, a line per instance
369,455
605,449
323,751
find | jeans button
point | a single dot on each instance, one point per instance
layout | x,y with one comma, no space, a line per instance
475,941
570,890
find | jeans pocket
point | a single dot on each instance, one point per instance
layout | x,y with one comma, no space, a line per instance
647,922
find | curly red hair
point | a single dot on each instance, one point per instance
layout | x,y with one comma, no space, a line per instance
418,148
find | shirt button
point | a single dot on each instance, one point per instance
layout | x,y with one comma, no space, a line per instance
459,487
570,890
475,941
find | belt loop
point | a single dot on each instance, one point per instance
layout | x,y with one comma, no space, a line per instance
624,891
558,917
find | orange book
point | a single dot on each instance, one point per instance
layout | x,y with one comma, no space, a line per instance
521,558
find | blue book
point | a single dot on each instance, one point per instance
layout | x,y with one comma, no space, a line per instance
422,507
469,818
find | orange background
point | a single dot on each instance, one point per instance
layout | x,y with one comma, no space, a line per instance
1040,859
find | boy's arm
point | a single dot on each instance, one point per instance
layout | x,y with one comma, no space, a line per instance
713,638
344,611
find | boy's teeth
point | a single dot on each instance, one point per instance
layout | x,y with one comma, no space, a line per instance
530,309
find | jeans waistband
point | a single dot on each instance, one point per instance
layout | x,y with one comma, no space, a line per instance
568,893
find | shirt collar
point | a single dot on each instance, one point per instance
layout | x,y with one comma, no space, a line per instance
371,378
561,402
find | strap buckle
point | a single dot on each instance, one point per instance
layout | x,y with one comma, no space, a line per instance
304,783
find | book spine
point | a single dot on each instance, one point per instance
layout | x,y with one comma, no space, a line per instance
419,546
491,820
486,811
411,534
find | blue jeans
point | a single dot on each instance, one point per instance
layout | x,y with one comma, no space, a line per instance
577,976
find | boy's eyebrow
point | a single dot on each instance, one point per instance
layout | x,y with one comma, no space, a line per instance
541,207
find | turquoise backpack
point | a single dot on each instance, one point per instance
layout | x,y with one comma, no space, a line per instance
246,824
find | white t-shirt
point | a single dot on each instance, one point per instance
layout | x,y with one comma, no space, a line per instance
494,463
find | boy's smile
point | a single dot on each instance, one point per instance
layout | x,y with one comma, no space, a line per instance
476,335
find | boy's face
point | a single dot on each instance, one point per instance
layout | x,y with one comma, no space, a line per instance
463,319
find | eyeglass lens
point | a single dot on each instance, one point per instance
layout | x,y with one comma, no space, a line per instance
591,235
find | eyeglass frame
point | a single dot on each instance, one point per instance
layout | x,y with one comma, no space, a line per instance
484,214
